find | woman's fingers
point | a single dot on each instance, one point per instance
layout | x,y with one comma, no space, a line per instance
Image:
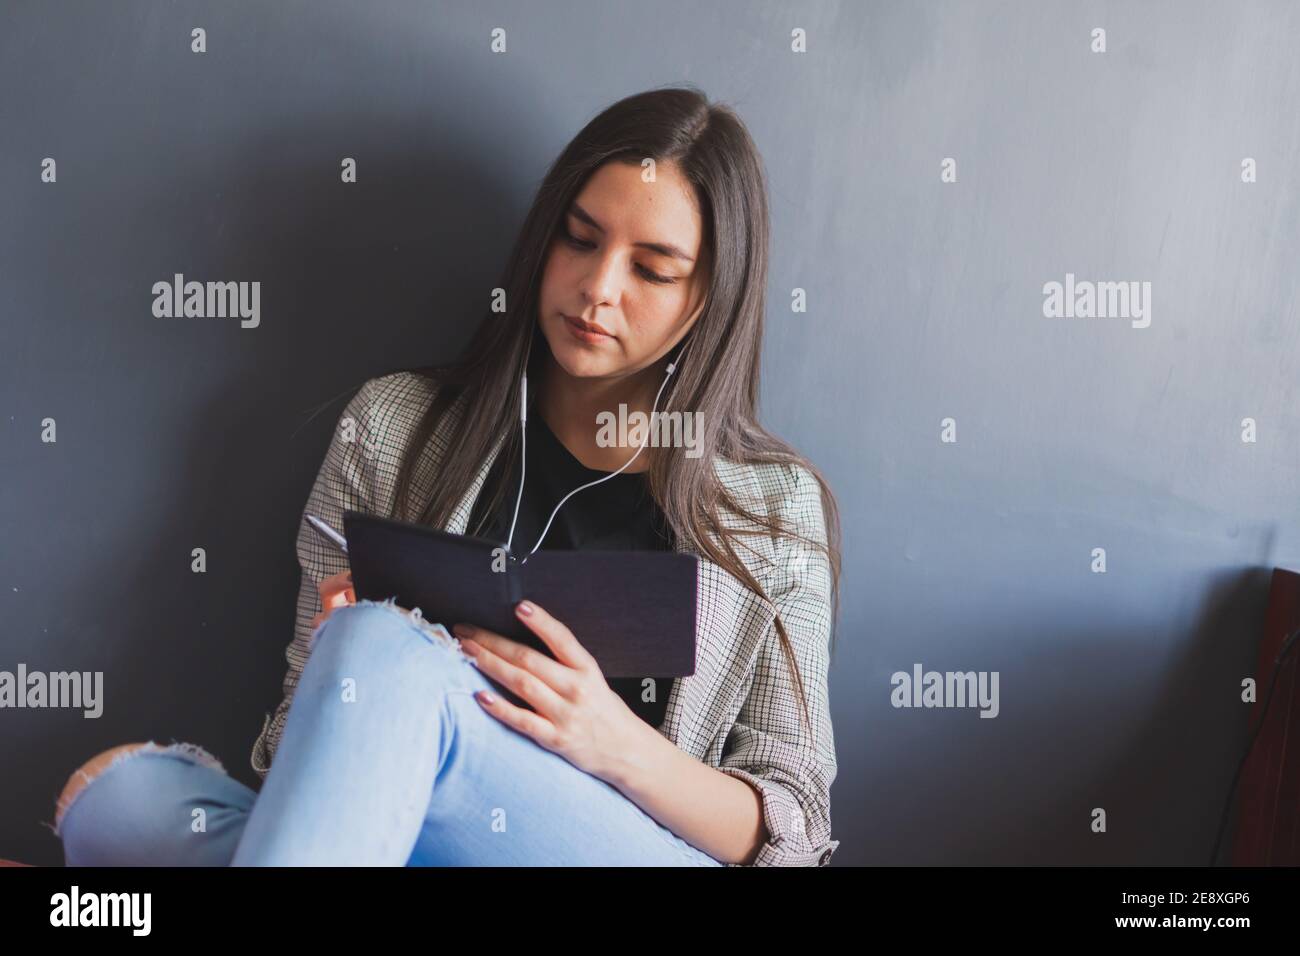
336,591
555,635
498,658
511,653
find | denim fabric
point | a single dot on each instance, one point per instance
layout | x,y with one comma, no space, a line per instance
386,760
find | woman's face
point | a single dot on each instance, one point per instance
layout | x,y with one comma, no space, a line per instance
626,259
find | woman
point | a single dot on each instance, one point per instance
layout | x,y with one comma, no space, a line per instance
647,242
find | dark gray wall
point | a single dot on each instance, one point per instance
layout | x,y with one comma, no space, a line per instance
1117,690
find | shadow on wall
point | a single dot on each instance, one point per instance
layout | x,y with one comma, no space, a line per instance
200,658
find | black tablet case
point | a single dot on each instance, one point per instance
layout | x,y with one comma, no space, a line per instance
634,611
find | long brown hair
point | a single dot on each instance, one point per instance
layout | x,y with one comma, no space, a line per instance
720,376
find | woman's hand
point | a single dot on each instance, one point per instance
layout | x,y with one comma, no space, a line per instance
577,714
335,592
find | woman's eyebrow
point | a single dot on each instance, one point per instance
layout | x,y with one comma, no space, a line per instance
663,248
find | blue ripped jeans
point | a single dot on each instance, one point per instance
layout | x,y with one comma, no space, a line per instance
386,760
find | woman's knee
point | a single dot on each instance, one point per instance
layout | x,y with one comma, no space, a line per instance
126,805
95,768
380,633
87,772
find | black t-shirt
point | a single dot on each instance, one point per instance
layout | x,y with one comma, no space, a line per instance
615,515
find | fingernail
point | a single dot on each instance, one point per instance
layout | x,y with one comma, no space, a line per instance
469,647
485,697
462,630
525,608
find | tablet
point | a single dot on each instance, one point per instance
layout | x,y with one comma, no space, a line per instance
634,611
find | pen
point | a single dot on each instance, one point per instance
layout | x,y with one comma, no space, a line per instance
329,534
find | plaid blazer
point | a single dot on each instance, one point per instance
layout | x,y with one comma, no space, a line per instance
738,713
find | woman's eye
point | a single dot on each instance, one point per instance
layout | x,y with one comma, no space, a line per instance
655,277
577,243
574,241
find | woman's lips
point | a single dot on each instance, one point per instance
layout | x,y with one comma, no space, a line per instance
583,333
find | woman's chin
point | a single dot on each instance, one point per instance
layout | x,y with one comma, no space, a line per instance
587,369
579,361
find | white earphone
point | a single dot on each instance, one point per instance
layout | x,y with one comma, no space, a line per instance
523,423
